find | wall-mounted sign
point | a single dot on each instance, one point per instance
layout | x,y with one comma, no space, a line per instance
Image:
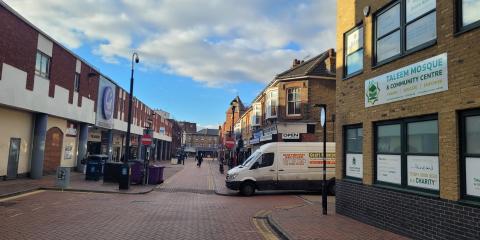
423,172
354,166
254,140
270,130
422,78
94,136
472,166
257,134
389,168
105,103
71,129
266,138
290,135
68,151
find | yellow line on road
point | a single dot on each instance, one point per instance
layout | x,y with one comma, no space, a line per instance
21,195
259,220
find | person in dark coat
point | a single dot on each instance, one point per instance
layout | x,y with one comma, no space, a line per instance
199,160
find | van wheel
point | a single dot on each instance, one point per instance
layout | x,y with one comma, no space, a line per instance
331,187
247,189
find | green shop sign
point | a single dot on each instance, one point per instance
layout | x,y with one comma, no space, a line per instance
418,79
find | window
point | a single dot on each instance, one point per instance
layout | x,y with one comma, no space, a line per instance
257,114
76,82
407,153
354,51
267,160
468,14
353,151
470,151
272,99
404,27
42,65
293,101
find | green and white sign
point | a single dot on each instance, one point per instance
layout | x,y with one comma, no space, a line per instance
422,78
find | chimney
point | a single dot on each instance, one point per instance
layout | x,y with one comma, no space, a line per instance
296,62
330,61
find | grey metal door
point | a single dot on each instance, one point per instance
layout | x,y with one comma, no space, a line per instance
13,157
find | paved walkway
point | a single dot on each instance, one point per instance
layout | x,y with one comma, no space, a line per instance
306,221
78,183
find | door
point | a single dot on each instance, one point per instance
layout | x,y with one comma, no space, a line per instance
53,150
13,157
266,173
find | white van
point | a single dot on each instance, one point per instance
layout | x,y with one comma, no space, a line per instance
284,166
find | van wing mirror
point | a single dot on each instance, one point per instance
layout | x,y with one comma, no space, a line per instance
255,165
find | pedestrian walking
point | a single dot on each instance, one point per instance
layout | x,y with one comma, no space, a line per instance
199,160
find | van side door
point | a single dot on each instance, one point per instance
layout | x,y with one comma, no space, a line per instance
266,172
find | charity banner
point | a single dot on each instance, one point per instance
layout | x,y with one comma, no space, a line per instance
472,166
423,172
389,168
418,79
354,166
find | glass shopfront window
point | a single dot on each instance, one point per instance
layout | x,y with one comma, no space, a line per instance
407,153
470,145
353,151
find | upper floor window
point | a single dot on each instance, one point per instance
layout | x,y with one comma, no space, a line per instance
404,27
293,101
42,65
353,51
257,114
272,99
468,14
76,82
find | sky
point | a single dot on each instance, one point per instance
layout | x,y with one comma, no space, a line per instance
195,55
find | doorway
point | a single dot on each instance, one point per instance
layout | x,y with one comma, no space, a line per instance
53,150
13,158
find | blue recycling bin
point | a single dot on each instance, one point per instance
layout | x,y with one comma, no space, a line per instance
93,171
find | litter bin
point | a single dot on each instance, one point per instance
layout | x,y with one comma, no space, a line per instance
111,172
124,177
93,171
160,174
137,172
63,177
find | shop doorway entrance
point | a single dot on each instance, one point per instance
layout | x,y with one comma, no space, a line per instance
13,157
53,150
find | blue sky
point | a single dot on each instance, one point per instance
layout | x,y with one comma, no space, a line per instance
195,55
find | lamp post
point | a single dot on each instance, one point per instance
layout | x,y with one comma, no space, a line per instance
323,117
125,169
233,105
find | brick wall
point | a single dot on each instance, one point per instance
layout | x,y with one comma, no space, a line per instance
62,71
411,215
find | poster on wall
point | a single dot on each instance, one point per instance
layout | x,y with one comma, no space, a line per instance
423,172
68,152
354,166
389,168
105,103
472,166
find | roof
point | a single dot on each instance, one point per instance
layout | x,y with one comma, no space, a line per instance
208,131
312,67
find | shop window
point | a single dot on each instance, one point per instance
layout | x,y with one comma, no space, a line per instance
407,153
42,65
470,147
293,101
353,151
76,82
403,27
354,51
468,14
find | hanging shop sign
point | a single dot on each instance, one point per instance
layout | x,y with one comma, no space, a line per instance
290,135
389,168
423,172
106,103
354,166
422,78
473,176
71,129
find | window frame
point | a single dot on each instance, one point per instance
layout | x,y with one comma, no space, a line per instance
403,32
459,27
76,82
345,152
269,106
254,115
403,186
39,72
295,101
463,154
345,55
261,163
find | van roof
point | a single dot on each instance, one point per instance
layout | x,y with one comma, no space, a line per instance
294,144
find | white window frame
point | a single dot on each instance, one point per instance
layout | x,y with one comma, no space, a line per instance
256,114
272,95
299,100
43,57
76,82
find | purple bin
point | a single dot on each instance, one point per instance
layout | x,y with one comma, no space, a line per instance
155,174
137,173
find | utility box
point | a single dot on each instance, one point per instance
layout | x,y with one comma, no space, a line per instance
63,177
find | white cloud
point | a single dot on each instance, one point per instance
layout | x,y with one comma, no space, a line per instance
214,42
